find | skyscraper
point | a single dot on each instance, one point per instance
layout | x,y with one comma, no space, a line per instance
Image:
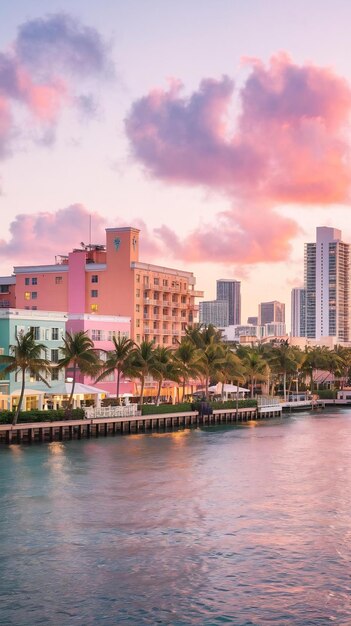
327,285
298,312
269,312
214,312
229,290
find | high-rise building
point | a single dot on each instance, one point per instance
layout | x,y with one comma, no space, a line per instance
214,312
271,312
327,285
298,312
253,320
229,290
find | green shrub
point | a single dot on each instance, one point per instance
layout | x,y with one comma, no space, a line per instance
152,409
35,415
327,394
231,404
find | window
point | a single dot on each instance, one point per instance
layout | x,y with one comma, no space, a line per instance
96,335
34,281
137,278
94,293
111,334
4,288
54,374
27,295
54,356
94,278
58,280
34,295
34,308
94,308
137,323
54,334
138,338
137,293
36,332
137,308
156,281
165,282
26,281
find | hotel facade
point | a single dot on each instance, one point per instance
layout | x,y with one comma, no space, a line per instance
110,280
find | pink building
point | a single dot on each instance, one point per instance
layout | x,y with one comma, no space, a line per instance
109,280
101,329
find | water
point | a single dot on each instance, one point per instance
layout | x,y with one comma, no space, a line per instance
231,525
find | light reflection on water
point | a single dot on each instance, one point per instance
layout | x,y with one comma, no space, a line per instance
229,525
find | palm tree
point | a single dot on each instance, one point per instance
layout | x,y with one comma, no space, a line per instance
187,357
282,361
143,363
255,367
117,360
79,354
25,357
231,369
164,367
211,361
315,359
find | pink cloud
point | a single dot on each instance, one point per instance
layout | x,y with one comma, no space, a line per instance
49,62
36,237
286,145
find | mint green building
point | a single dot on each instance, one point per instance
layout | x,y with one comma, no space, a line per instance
49,328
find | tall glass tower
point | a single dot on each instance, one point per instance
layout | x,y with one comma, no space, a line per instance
229,290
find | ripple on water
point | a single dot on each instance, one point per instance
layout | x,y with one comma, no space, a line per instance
245,526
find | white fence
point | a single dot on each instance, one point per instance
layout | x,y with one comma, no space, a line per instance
112,411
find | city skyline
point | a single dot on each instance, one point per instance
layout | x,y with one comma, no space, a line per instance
91,113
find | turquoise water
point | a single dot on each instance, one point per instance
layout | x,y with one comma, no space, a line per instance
231,525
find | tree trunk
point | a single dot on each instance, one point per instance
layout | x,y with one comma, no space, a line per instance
118,379
20,400
159,391
183,388
142,383
70,401
284,386
237,399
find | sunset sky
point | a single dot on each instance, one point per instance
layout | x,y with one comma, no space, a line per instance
221,128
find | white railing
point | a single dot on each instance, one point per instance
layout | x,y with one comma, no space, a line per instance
131,410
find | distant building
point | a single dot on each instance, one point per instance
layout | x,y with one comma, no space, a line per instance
298,312
214,312
271,312
327,285
252,320
229,290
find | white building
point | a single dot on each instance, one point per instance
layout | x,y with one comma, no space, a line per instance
327,285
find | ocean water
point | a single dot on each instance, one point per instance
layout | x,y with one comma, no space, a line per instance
247,525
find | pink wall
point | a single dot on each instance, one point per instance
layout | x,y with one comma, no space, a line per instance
76,282
51,290
94,322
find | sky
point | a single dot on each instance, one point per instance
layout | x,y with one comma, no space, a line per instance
220,128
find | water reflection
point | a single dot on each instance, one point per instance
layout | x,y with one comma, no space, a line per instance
222,525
